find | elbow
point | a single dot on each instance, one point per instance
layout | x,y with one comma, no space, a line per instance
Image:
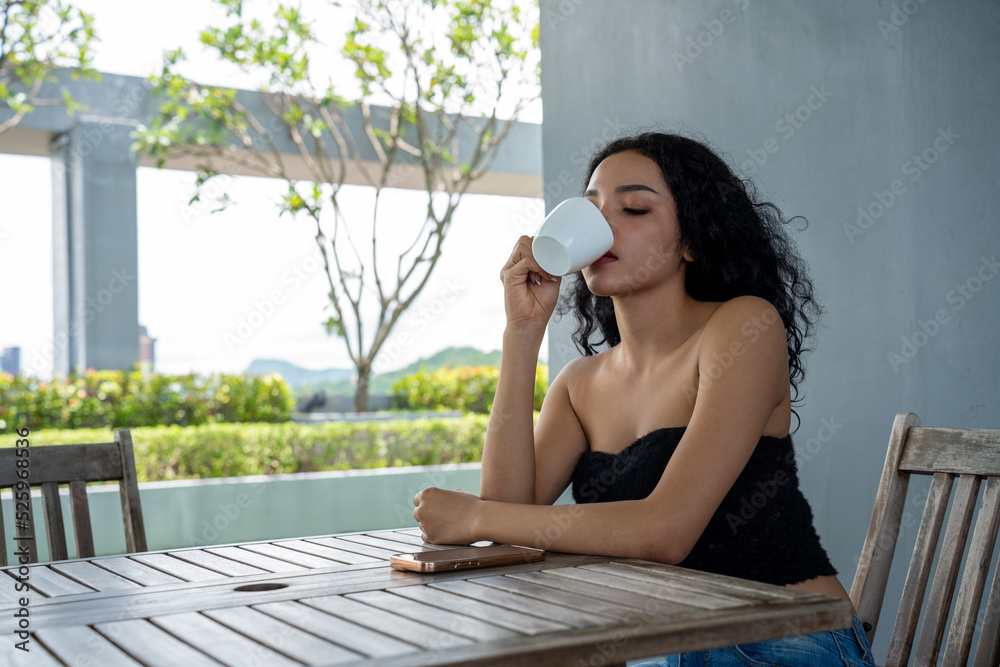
669,544
667,551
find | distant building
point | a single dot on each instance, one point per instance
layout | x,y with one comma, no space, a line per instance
10,362
147,350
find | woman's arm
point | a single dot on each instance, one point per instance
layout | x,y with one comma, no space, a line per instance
736,396
510,471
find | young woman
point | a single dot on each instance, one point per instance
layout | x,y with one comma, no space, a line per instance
683,420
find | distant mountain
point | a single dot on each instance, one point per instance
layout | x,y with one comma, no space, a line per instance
305,382
454,357
296,375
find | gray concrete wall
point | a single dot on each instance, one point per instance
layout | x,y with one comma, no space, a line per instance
831,107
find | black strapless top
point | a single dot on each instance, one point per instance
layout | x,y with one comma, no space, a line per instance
763,530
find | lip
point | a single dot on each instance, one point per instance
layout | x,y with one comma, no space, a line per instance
607,258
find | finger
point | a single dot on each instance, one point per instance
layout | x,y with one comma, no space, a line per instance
534,266
521,250
528,270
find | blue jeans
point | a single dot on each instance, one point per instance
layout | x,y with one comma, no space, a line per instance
848,647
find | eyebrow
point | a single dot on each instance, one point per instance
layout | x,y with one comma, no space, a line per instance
636,187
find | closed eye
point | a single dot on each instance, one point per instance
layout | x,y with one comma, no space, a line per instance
635,211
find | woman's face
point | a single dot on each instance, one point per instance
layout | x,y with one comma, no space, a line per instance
631,192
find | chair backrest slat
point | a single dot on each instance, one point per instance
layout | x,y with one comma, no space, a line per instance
946,574
52,465
135,530
100,462
959,451
919,573
872,574
24,525
54,526
977,566
80,508
3,539
988,650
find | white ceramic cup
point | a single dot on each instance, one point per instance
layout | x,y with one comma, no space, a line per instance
574,235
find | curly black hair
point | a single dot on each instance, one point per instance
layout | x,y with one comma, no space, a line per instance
739,244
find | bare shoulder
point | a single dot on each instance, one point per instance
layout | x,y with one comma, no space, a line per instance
744,320
581,368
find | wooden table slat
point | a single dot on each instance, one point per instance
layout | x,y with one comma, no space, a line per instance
670,594
327,550
300,558
280,636
175,599
136,571
566,598
151,645
253,559
355,547
415,531
52,584
575,618
93,576
523,623
176,567
725,587
444,619
403,537
380,620
225,645
392,546
36,656
9,595
638,601
349,635
81,646
215,562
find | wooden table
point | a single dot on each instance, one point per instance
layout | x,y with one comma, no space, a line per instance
334,601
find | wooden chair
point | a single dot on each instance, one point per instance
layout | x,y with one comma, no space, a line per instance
50,466
972,457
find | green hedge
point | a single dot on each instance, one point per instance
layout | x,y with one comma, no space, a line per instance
131,398
469,388
226,450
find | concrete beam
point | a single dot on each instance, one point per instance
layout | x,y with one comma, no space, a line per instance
116,99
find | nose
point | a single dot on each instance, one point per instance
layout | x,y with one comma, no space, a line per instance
605,211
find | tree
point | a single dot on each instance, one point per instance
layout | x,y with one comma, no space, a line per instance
443,69
37,37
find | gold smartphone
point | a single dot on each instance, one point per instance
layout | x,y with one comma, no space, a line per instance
464,558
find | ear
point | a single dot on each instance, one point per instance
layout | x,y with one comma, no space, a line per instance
687,254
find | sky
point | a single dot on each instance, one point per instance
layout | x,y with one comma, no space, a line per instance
219,290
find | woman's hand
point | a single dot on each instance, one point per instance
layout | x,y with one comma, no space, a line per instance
530,294
446,517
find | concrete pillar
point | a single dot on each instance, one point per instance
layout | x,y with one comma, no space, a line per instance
95,286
